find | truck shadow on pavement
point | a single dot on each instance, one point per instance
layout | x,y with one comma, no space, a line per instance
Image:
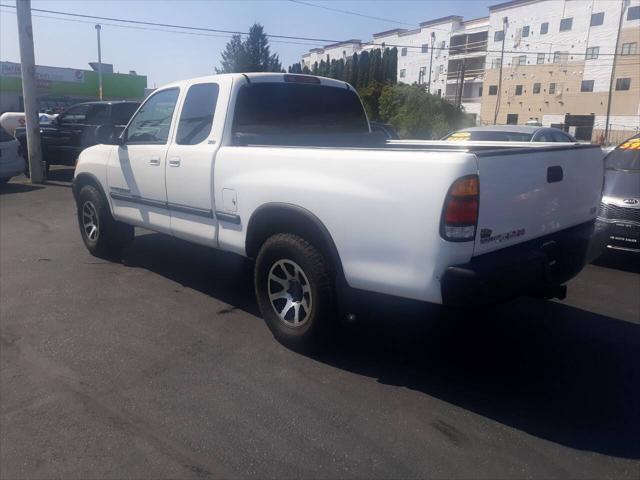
551,370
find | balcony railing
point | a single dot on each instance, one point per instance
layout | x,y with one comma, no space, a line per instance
468,73
477,47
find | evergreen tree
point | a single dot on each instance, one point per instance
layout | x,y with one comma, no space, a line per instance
233,58
363,69
295,68
249,55
353,77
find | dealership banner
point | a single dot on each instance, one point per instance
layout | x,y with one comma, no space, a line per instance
44,74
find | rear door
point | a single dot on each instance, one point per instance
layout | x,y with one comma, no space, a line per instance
190,162
534,192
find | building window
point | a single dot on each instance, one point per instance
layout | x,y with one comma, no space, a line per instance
525,31
520,60
592,53
403,52
586,86
439,92
440,68
480,91
633,13
518,89
403,73
512,118
623,83
597,19
498,36
629,48
566,24
540,58
493,89
560,57
425,48
443,45
536,88
544,28
552,88
495,63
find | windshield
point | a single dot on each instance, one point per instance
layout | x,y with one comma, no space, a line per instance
490,135
284,108
626,156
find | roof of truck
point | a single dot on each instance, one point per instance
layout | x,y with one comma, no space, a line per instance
254,76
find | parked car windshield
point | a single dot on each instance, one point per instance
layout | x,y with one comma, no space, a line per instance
490,135
289,108
626,156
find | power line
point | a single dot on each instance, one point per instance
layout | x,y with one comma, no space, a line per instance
348,12
287,37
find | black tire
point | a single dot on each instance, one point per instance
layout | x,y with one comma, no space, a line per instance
314,327
110,237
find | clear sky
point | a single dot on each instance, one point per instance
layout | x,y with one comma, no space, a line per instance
165,57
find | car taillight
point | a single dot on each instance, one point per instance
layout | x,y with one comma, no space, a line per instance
460,213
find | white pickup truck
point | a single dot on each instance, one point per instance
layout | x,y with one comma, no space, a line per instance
283,169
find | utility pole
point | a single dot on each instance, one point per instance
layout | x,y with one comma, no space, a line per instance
613,69
98,27
433,41
29,94
505,24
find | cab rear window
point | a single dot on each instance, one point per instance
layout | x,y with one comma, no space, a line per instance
288,108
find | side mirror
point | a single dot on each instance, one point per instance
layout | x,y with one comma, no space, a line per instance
121,139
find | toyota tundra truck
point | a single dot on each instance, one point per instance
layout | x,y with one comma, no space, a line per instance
284,169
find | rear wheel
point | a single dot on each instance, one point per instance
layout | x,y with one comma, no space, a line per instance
102,235
295,292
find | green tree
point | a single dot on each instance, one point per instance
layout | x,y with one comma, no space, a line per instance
363,69
295,68
249,55
233,58
353,77
416,114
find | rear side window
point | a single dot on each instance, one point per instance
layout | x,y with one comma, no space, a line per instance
626,156
286,108
197,113
121,113
561,137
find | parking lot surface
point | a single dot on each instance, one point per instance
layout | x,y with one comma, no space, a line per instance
160,367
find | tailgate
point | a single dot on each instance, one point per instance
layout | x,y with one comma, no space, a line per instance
528,193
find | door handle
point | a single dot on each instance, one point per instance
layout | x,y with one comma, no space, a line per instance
154,161
174,162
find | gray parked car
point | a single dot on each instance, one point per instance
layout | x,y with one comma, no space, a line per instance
511,133
619,216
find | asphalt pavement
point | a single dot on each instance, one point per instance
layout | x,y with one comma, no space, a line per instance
160,367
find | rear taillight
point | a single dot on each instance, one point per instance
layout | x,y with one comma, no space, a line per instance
460,213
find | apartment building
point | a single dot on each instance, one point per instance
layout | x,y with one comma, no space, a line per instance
558,65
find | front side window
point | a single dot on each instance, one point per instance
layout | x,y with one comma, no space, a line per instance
152,122
74,115
633,13
566,24
493,89
552,88
518,89
293,108
592,53
540,58
498,36
544,28
597,19
196,117
525,31
536,88
586,86
623,83
629,48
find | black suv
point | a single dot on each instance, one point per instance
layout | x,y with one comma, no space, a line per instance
619,216
79,127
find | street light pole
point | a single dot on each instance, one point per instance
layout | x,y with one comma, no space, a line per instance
29,93
505,24
613,69
433,41
98,27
